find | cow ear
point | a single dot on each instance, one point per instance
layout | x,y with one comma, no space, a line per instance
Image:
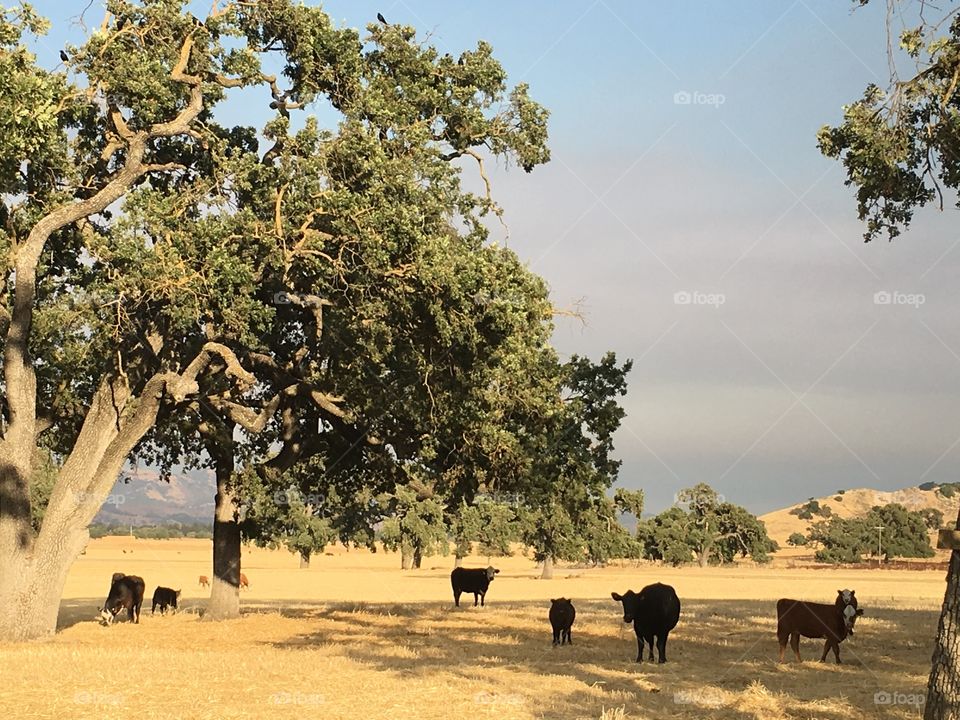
553,601
616,596
859,611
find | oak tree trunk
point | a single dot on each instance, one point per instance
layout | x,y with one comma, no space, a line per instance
417,557
304,559
34,567
943,687
458,561
225,585
547,573
406,558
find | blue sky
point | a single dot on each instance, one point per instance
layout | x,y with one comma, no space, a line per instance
784,377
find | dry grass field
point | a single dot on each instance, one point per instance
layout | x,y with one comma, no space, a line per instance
355,637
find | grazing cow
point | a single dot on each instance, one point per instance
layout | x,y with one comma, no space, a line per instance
163,597
562,615
244,583
204,581
472,580
126,592
654,612
817,620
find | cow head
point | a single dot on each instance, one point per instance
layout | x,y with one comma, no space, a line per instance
107,615
491,571
630,601
847,602
559,601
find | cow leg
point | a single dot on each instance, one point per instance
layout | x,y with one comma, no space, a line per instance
154,608
557,636
476,599
795,644
662,646
483,597
836,650
569,638
649,639
782,639
456,598
639,647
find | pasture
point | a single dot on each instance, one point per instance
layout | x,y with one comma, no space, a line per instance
355,637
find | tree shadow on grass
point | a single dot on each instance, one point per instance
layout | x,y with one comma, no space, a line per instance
723,657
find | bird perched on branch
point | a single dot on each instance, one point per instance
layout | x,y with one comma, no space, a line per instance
382,19
64,57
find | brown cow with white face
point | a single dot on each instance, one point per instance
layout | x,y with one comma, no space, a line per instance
817,620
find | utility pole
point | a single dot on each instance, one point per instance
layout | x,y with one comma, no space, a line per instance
879,529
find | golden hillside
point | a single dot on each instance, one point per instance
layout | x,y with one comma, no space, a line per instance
853,503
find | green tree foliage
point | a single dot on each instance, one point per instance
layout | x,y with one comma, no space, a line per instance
704,528
811,508
629,501
488,525
566,500
797,539
932,518
847,540
413,525
44,479
899,146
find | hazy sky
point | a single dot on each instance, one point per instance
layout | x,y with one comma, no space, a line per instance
685,168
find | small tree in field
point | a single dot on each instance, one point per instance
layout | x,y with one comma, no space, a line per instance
797,539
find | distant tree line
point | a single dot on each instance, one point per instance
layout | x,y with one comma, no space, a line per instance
154,532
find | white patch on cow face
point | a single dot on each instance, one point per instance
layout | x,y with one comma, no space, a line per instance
106,616
849,617
847,596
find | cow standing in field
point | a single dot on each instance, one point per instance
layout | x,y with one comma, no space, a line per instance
654,612
204,581
562,615
164,597
472,580
126,592
817,620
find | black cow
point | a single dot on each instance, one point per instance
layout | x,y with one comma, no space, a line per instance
472,580
654,612
163,597
126,592
562,615
817,620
